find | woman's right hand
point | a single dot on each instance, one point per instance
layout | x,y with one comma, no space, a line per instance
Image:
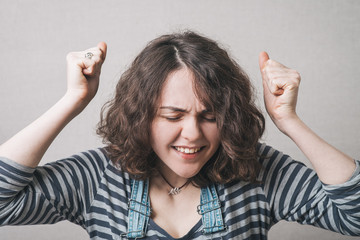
83,73
28,146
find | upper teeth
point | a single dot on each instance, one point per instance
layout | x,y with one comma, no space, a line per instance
187,150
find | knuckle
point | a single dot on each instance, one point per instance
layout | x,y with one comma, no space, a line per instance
273,81
91,69
270,62
272,75
295,72
69,56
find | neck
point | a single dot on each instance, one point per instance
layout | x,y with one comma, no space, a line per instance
170,177
169,181
174,189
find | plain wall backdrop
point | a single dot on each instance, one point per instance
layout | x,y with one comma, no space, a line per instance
319,38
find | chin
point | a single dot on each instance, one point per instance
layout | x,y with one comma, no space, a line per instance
187,173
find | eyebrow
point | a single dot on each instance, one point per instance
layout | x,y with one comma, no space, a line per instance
176,109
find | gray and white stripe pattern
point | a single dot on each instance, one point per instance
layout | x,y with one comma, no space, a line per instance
88,190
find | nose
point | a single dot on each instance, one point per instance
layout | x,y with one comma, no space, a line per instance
191,129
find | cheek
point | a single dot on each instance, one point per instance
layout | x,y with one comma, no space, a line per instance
212,134
155,136
162,135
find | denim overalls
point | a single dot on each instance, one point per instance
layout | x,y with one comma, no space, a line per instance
140,210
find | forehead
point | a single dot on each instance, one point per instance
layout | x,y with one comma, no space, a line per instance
178,90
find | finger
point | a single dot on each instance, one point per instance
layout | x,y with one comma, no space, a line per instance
95,51
282,73
263,58
281,84
272,64
91,66
89,71
103,48
276,86
88,67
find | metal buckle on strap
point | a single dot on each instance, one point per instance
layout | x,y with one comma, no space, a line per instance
211,230
205,208
129,235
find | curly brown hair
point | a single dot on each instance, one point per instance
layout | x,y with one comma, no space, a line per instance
220,84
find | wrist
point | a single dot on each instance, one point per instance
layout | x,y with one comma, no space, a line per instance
288,124
74,102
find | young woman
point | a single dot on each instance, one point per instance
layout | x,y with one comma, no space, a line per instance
182,157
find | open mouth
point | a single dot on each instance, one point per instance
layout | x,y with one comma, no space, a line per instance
188,150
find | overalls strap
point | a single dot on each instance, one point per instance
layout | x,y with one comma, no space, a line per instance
139,209
210,210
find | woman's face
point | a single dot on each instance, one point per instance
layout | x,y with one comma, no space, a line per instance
184,134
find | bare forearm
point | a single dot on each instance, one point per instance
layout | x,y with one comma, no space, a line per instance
83,73
280,94
331,165
29,145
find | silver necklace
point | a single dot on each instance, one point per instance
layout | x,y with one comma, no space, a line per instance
174,190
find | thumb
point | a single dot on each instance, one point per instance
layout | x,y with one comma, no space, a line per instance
263,57
103,48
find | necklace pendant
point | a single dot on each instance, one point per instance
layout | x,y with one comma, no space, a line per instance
174,191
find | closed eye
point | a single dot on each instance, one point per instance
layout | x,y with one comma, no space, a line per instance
208,116
173,118
209,119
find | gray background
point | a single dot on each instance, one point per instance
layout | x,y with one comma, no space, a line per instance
318,38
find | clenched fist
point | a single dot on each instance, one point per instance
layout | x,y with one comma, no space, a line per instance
83,72
281,86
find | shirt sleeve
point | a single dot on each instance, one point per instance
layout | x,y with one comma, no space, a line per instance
295,193
61,190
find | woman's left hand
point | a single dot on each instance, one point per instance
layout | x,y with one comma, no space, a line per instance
281,86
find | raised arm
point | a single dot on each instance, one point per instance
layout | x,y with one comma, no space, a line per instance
280,95
29,145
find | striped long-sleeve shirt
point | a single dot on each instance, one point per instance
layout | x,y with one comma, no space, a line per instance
88,190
